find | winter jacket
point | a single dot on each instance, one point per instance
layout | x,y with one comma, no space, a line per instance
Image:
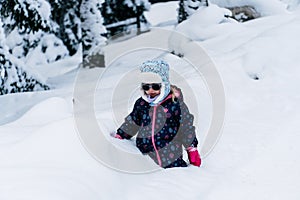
162,130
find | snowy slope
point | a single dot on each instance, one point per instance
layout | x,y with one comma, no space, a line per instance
41,155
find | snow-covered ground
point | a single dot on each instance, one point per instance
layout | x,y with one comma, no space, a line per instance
42,157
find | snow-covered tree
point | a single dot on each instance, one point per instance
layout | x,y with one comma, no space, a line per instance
116,11
91,26
51,29
189,7
37,48
28,27
13,76
27,15
66,15
182,14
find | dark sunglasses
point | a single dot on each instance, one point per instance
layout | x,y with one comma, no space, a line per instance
154,86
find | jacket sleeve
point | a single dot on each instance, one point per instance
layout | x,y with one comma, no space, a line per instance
187,129
131,123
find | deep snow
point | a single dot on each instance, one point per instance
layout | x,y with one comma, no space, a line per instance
41,156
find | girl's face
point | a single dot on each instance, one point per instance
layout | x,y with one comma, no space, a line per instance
151,89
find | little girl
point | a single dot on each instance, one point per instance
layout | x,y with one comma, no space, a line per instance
161,119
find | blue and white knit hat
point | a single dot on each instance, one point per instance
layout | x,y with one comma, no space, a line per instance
156,71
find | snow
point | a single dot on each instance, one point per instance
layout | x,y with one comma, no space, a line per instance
206,18
49,49
292,4
265,8
92,25
2,35
42,7
257,157
155,18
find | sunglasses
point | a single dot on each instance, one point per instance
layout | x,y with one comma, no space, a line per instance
154,86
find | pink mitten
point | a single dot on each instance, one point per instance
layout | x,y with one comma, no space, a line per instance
115,135
118,136
194,156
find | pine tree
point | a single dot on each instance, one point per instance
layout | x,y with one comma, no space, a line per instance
66,15
189,7
182,14
28,26
13,76
27,15
91,26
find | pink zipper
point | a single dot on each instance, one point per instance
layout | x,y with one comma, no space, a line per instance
153,142
153,129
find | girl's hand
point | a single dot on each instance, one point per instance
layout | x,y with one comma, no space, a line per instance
115,135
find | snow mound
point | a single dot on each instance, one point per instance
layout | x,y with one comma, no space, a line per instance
169,10
51,109
265,8
205,17
48,161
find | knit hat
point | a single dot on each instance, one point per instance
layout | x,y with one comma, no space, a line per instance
156,71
